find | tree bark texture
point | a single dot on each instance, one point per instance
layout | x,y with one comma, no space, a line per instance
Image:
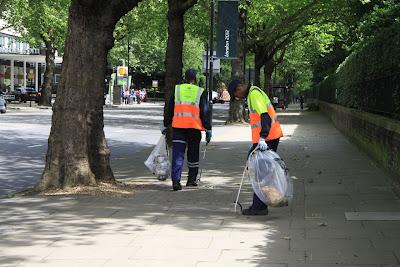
268,70
45,98
176,37
259,60
236,114
238,64
77,149
174,53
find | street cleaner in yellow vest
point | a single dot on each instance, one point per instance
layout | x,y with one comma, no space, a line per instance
265,129
189,113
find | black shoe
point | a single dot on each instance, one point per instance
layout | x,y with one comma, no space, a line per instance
191,183
176,186
251,212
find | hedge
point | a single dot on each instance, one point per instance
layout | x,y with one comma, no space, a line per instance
369,79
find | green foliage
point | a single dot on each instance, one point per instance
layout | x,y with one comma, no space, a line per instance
146,30
192,53
40,20
383,15
369,78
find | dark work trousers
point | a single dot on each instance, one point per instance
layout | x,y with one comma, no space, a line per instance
257,203
183,138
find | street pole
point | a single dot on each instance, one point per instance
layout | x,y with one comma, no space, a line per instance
127,79
207,58
245,46
211,50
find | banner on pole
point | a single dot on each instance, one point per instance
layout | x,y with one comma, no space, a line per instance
228,22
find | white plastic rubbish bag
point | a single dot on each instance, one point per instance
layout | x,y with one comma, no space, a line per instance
158,160
270,178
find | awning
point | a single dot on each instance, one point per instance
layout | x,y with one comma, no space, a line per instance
29,58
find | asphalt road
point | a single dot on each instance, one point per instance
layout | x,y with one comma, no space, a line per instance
24,133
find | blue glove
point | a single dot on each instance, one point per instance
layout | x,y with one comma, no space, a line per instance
262,145
208,136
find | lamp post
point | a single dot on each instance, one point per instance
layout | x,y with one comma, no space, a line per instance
244,45
127,79
212,8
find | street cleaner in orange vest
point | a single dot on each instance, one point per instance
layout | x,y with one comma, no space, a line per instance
265,129
190,114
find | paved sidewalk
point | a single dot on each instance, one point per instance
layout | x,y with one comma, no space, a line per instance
197,227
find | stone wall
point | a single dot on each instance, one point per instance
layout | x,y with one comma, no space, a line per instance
378,136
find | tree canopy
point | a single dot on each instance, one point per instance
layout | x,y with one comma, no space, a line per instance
40,21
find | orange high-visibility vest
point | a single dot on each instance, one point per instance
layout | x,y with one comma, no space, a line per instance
187,107
255,119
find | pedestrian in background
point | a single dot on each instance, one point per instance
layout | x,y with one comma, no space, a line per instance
265,129
189,113
137,93
301,102
126,97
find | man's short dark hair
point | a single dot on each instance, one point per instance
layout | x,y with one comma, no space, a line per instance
232,87
190,75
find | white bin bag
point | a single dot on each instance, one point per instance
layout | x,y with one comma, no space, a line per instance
158,160
270,178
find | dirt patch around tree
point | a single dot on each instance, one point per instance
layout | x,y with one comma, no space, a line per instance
103,189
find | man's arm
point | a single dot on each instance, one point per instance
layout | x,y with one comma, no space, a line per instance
260,105
265,125
205,111
169,114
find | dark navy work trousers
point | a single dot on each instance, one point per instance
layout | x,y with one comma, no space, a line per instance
182,139
257,203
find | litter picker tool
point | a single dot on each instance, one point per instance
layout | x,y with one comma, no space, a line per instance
202,165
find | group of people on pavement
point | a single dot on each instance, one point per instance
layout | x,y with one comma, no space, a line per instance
134,95
189,114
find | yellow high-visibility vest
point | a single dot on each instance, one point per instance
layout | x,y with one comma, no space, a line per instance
255,115
187,107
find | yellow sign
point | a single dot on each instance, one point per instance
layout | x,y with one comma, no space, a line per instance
122,71
155,84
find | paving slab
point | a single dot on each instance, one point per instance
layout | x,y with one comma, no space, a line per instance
373,216
354,256
65,263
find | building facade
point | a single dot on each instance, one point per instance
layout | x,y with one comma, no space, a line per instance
21,66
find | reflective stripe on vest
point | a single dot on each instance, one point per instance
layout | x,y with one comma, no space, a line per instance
187,107
255,120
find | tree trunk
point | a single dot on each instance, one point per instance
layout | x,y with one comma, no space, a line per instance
45,98
268,70
238,64
176,37
257,74
236,114
174,53
258,64
77,149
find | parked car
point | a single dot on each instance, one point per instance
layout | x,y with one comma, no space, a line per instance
28,94
3,104
23,94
